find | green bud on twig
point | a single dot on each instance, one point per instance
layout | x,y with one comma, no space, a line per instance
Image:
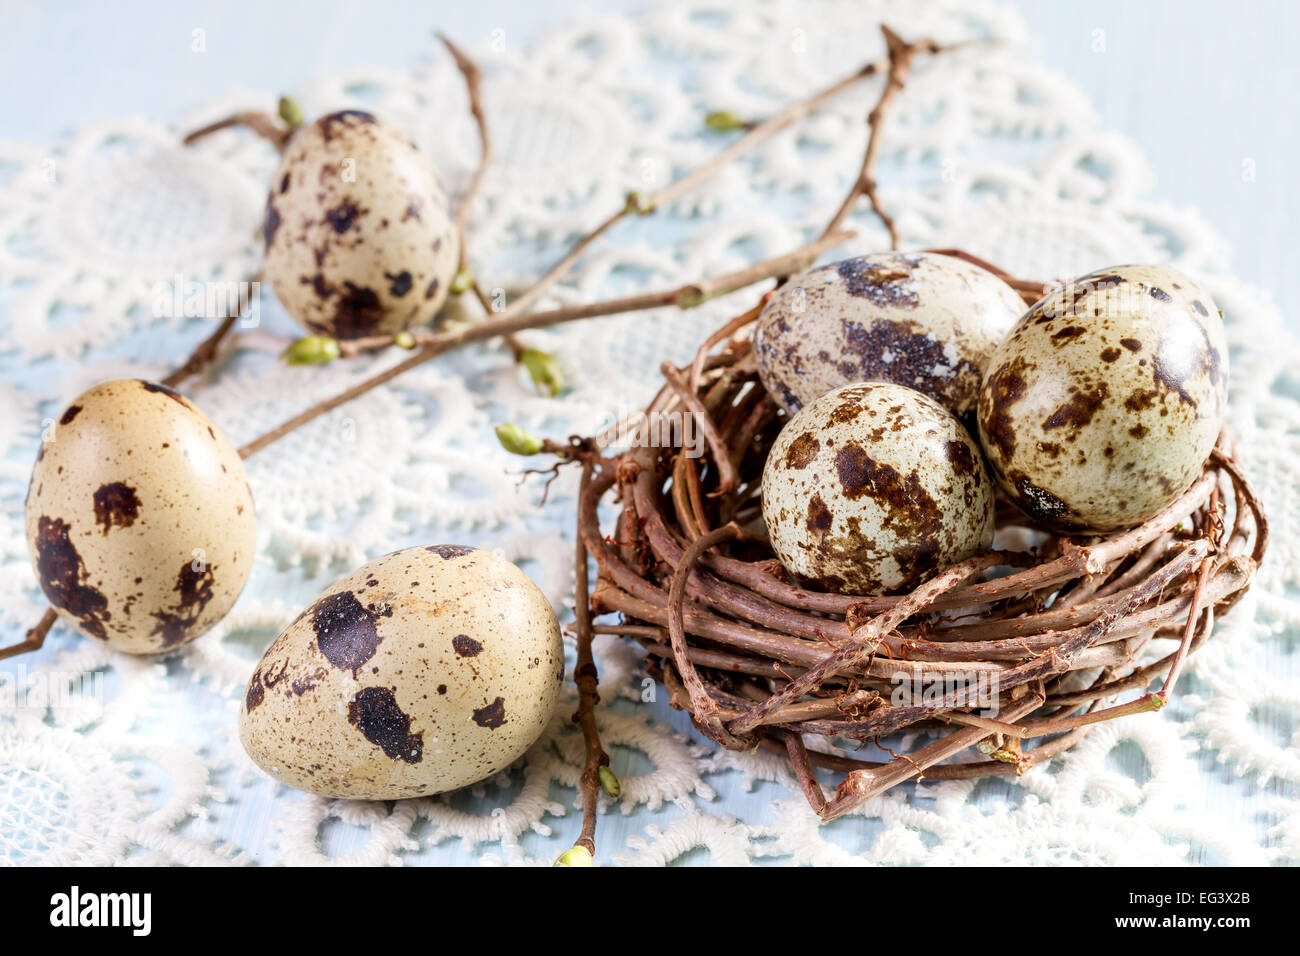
545,371
609,783
290,111
639,204
404,340
311,350
575,856
462,282
517,441
692,298
724,122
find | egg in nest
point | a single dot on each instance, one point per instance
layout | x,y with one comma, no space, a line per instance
1103,403
923,320
140,520
425,670
359,237
873,488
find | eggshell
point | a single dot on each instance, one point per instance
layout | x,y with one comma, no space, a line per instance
1103,403
926,321
359,238
140,521
873,488
426,670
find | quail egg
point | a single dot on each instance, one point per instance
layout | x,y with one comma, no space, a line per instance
1101,406
359,239
140,521
424,671
920,319
873,488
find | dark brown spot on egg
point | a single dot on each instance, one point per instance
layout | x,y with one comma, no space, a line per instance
342,217
1067,334
904,353
1133,345
449,551
69,414
347,631
1110,355
332,123
819,516
116,505
466,646
491,715
802,451
1004,388
195,584
300,685
883,282
909,508
256,692
284,184
375,712
959,454
399,284
1138,431
1079,409
1140,399
357,313
271,223
62,577
431,289
1039,503
412,211
160,389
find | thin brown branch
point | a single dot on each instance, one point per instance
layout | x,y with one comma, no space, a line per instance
34,639
901,55
473,77
432,344
207,351
637,205
263,124
474,88
587,679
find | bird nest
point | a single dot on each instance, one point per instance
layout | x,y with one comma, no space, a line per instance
1009,657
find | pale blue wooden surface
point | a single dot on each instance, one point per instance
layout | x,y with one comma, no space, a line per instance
1204,87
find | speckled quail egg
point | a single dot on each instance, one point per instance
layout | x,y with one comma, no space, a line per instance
1101,406
872,488
140,521
920,319
359,239
426,670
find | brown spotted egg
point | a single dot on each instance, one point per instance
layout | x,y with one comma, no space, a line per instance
426,670
873,488
140,521
359,239
1103,403
923,320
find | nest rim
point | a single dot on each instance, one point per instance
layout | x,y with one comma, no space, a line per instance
757,660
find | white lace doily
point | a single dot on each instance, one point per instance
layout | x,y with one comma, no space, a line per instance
107,759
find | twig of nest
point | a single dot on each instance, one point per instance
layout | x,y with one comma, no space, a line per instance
1011,655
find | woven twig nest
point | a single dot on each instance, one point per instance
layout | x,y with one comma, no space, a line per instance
1011,656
